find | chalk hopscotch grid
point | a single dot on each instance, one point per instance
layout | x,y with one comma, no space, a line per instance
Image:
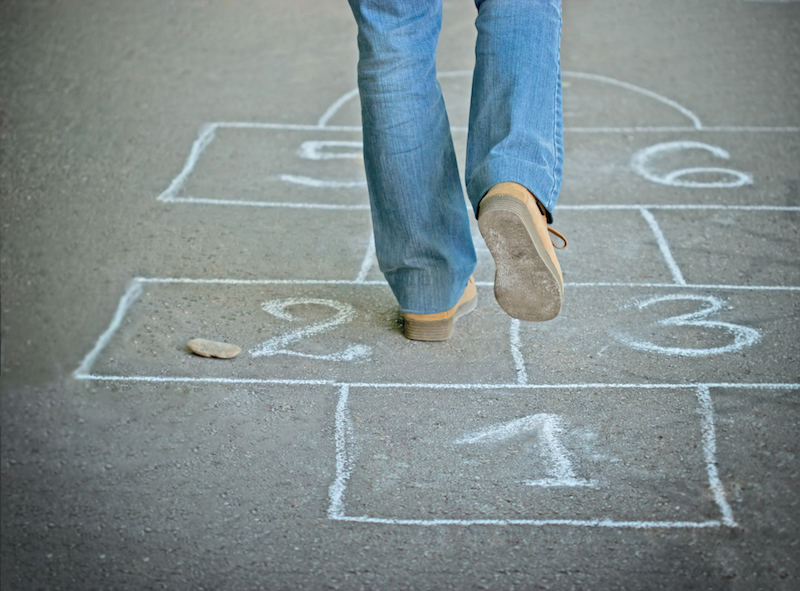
345,451
208,132
343,437
207,135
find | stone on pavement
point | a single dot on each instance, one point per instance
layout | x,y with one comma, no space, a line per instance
207,348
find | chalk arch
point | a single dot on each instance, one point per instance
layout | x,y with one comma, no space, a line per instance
337,105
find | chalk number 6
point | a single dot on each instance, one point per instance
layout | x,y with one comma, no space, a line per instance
641,164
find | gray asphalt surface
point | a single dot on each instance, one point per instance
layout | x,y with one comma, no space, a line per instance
645,439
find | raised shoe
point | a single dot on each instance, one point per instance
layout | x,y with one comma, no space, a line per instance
528,283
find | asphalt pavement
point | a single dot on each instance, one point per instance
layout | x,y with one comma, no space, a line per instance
179,169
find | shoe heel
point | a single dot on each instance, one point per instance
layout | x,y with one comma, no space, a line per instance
425,330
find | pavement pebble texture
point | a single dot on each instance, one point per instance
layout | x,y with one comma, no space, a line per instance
174,169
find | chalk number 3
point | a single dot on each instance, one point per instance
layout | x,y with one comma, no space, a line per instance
743,336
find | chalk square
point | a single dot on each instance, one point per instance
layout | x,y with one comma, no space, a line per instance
635,457
645,335
599,168
609,247
734,247
629,254
295,331
263,163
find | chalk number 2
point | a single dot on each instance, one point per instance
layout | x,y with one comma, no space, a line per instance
277,345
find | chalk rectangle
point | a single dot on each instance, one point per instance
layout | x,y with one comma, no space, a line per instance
633,457
735,247
662,334
602,168
261,165
627,254
293,331
306,330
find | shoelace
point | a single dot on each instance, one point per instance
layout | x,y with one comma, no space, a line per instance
551,230
560,235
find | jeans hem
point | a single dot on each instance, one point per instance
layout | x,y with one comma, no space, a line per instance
544,185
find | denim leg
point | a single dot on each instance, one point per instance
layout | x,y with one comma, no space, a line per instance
515,124
420,219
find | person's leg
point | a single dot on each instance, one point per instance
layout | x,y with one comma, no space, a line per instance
420,220
515,125
515,150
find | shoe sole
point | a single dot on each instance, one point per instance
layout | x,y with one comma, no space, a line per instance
526,283
436,330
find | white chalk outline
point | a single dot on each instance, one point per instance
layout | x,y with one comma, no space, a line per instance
132,293
334,108
204,139
345,446
134,289
345,455
346,458
696,124
208,133
368,261
308,181
706,411
313,150
516,351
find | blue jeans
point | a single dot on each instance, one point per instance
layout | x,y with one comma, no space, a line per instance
421,224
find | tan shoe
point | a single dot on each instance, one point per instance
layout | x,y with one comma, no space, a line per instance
439,326
527,284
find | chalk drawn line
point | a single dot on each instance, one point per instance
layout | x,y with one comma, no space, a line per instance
208,131
696,123
345,445
565,207
663,246
134,288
